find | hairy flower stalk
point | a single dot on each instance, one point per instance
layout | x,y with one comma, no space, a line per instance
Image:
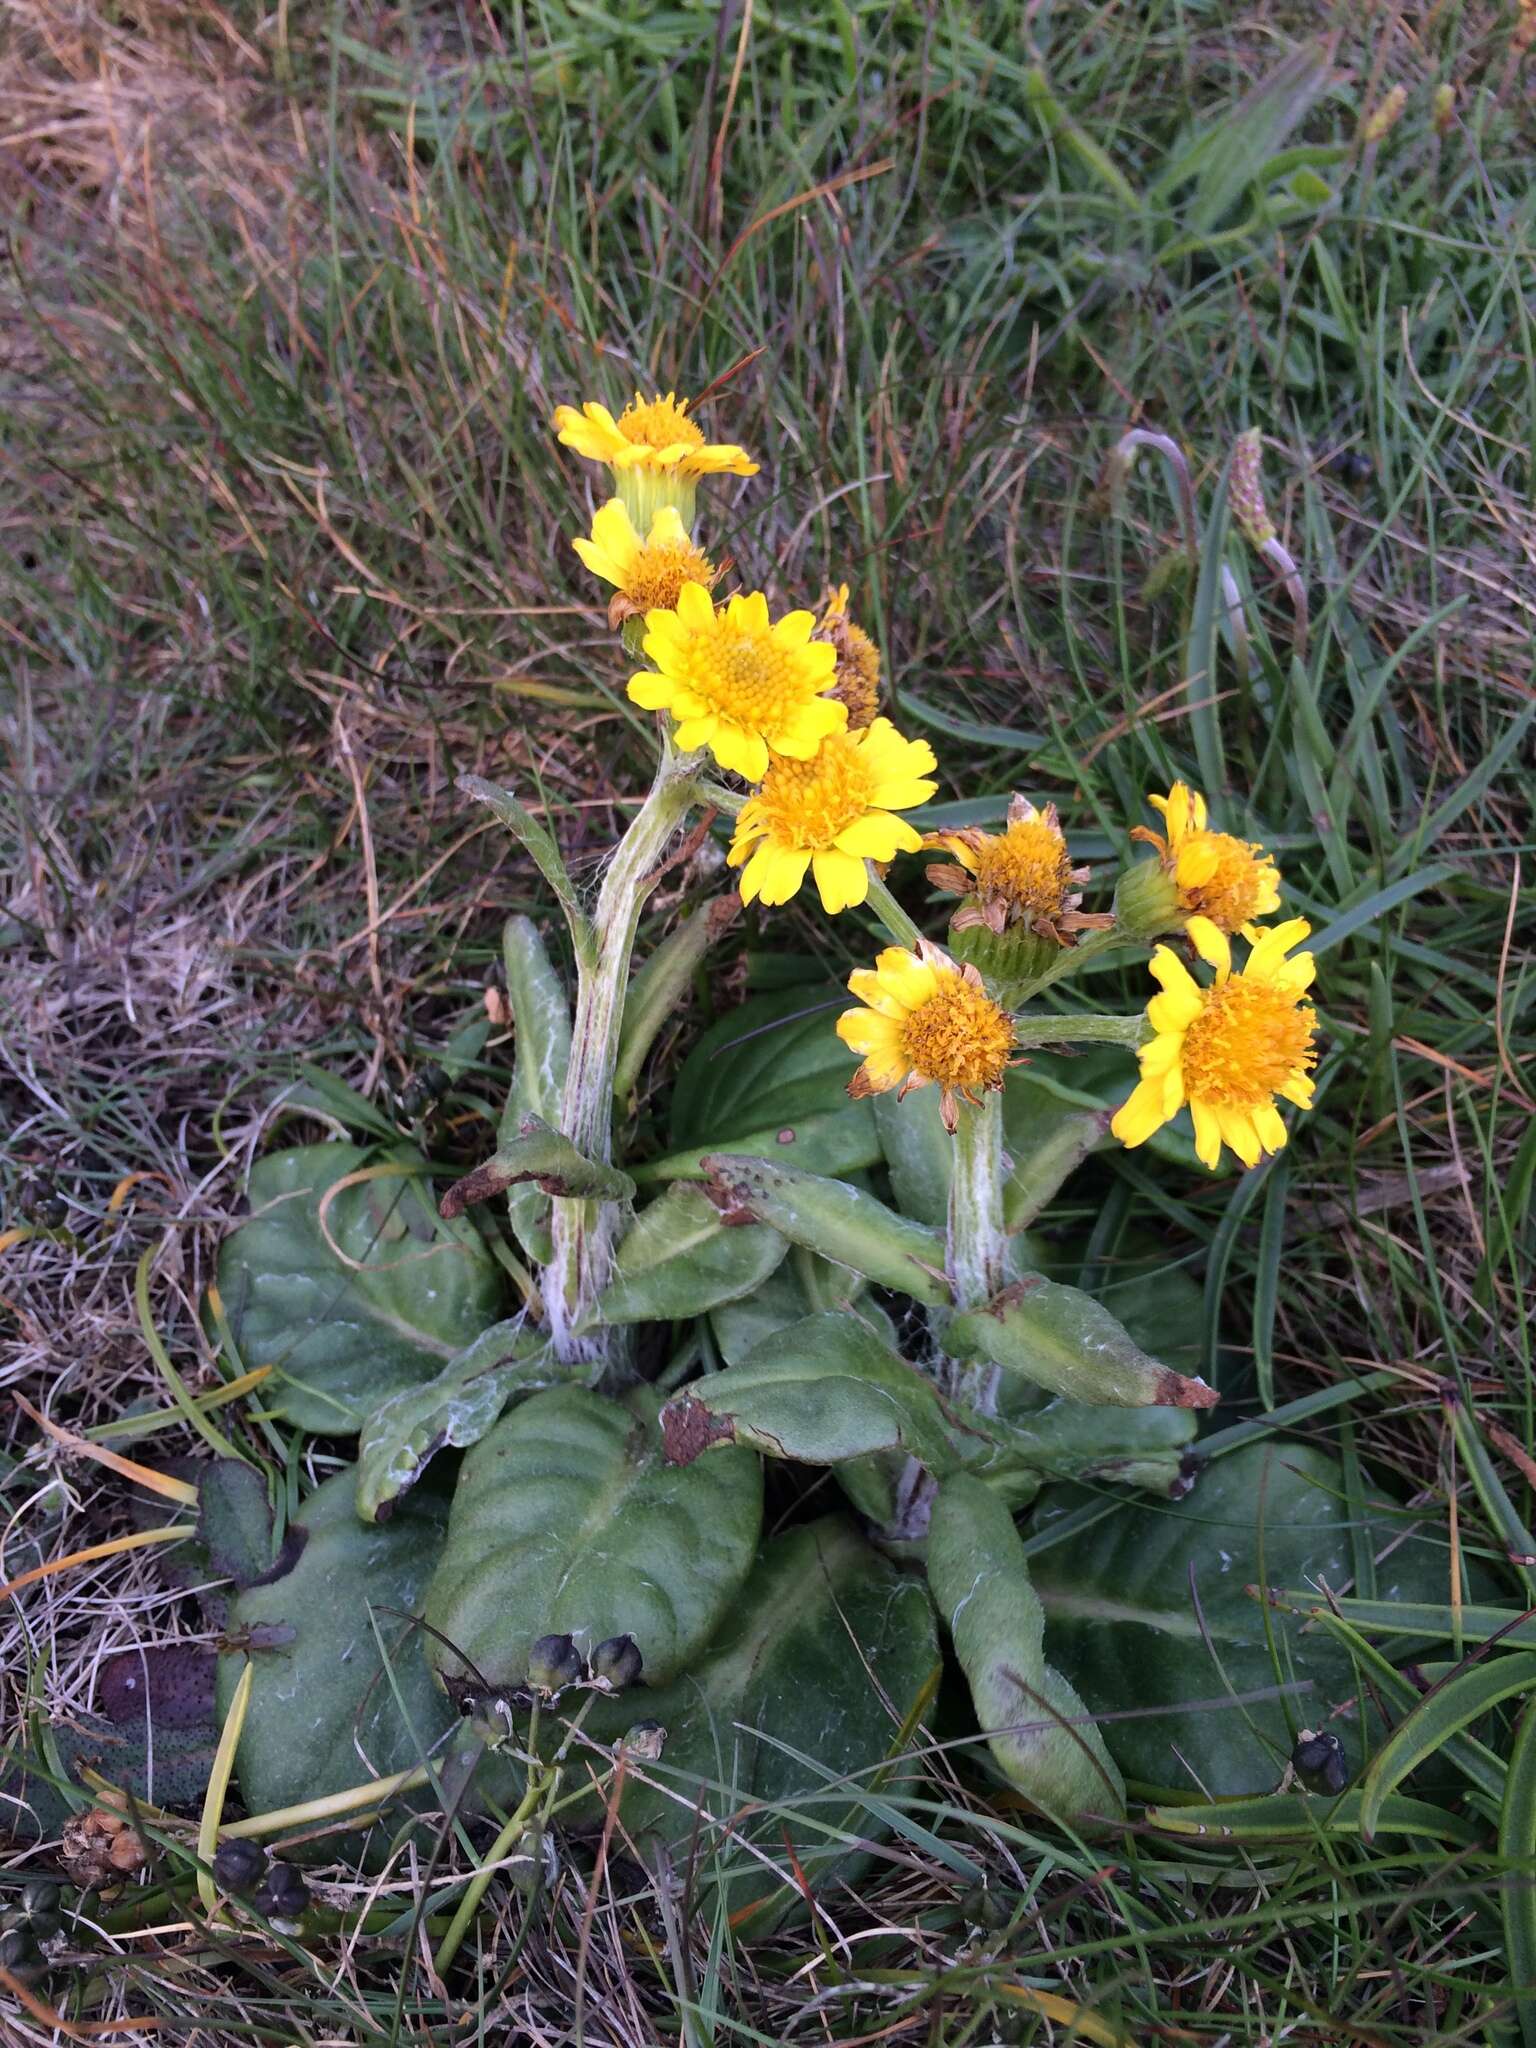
584,1232
978,1245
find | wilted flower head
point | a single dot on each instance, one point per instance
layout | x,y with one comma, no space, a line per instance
858,659
1020,876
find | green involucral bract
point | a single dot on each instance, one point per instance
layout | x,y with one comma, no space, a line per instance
678,1259
351,1293
568,1520
1151,1607
1042,1736
341,1691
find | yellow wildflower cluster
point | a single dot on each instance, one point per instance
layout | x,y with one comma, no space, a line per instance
791,705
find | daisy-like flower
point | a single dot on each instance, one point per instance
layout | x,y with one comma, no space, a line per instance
1217,880
1021,876
647,575
657,454
858,659
927,1020
1228,1050
831,814
738,682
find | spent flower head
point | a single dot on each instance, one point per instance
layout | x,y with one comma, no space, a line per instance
858,659
926,1020
1229,1050
1022,875
832,815
742,684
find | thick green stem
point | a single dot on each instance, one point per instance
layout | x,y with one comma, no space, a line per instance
584,1233
978,1244
1042,1031
890,913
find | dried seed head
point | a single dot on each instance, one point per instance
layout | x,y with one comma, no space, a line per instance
239,1866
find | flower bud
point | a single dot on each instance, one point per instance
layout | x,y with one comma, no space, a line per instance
238,1865
616,1664
1320,1764
645,1742
554,1662
1245,490
1384,116
1147,901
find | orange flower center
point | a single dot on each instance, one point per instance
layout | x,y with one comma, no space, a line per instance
807,803
1230,897
660,570
1028,866
1247,1042
659,423
958,1037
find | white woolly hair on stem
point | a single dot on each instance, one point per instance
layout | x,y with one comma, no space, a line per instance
585,1233
978,1244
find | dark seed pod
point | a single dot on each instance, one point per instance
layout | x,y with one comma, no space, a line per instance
617,1664
1352,466
983,1908
282,1897
238,1866
645,1741
554,1662
1320,1763
41,1895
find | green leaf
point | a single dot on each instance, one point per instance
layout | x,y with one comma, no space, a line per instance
802,1285
1517,1848
334,1098
1283,1816
773,1066
325,1713
1063,1340
449,1412
1038,1730
235,1524
536,1153
678,1259
344,1332
821,1391
541,1016
1149,1614
1139,1447
662,983
540,845
775,1737
568,1520
839,1221
1013,739
1235,151
1439,1715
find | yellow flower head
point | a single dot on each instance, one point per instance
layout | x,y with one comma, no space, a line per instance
1021,876
831,814
650,433
1221,881
858,659
647,575
740,683
1228,1050
927,1020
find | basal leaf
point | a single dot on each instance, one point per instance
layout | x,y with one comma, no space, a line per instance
679,1259
803,1285
350,1292
568,1520
235,1524
323,1712
1149,1609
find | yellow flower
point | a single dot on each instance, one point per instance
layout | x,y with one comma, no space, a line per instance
650,433
927,1020
648,574
1228,1050
738,682
1021,876
858,659
831,814
1222,882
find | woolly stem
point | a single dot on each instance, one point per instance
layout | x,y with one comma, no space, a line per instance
585,1232
978,1244
1041,1031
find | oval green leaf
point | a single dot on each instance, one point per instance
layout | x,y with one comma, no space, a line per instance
351,1293
678,1259
568,1520
1064,1340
